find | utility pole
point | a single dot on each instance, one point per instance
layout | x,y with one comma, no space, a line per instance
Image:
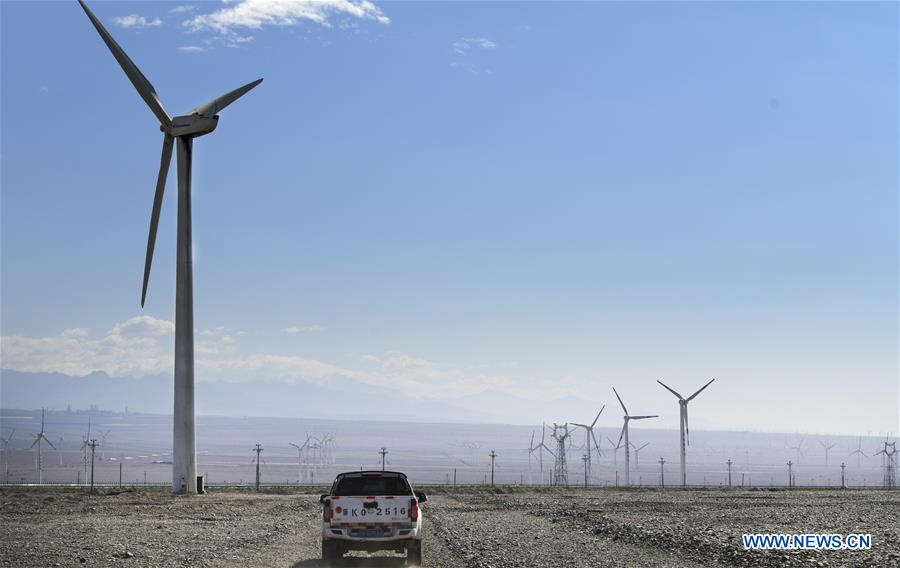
662,472
843,467
93,445
120,474
383,453
729,462
493,455
145,478
454,477
257,450
790,464
585,459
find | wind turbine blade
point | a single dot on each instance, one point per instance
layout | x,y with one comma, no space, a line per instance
531,443
642,417
596,445
164,162
580,425
620,401
619,443
644,446
36,440
46,439
690,398
598,416
670,390
143,86
215,106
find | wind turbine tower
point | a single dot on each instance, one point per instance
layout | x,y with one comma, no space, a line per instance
683,425
40,437
202,120
626,419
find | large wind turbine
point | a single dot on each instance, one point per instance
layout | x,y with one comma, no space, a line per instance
589,438
40,437
202,120
627,418
683,423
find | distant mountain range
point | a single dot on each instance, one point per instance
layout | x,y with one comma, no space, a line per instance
339,398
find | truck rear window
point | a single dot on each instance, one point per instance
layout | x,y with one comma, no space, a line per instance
365,486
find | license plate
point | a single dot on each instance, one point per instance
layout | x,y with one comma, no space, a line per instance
374,513
371,533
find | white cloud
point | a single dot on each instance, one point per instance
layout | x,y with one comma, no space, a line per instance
255,14
134,347
302,328
463,45
183,9
143,326
421,377
143,346
192,49
135,21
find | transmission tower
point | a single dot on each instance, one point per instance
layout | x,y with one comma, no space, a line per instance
890,464
258,449
560,468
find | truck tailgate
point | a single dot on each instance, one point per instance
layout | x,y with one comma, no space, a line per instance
371,510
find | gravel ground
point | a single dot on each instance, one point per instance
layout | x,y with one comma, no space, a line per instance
471,529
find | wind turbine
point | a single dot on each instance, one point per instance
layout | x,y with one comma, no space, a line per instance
858,452
300,457
615,448
40,437
588,438
827,449
683,424
626,419
798,449
541,448
202,120
637,454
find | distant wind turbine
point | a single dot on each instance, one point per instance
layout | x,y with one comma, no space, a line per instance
202,120
590,438
40,437
626,419
827,449
683,424
858,452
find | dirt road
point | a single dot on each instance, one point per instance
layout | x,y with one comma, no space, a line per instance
474,529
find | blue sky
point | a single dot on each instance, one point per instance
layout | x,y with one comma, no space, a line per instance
544,199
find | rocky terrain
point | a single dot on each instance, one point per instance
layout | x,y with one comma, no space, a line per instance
471,528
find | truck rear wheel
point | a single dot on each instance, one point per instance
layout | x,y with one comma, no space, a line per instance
414,553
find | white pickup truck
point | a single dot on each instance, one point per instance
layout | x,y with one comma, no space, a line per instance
372,510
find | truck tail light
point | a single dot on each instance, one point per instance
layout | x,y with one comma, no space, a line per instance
326,510
413,510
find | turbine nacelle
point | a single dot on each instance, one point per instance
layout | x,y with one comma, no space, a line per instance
193,125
